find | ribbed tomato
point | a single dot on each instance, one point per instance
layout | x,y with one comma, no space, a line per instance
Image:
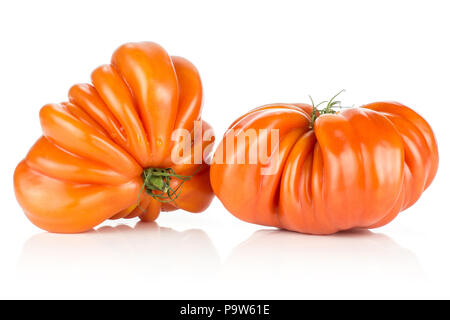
355,168
97,149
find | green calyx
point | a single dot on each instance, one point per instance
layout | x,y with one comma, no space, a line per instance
157,184
332,103
156,179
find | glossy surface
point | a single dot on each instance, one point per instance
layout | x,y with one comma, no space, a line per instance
87,166
356,169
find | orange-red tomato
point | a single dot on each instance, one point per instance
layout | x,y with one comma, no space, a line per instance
352,169
88,165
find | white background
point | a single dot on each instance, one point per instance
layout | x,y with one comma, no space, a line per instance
249,54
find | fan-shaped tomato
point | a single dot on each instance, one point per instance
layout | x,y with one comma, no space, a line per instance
97,149
356,168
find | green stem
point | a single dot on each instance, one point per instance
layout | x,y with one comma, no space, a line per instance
157,184
328,109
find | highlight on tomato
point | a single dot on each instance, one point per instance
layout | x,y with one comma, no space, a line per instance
320,170
131,144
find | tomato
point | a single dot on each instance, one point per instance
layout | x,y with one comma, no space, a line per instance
96,149
355,168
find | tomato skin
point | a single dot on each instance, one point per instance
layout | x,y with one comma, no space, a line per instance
355,169
87,166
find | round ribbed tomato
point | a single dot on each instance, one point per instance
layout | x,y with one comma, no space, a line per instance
355,168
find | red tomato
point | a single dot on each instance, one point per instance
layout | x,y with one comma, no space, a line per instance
352,169
95,150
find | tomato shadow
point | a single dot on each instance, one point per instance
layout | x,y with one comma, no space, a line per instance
150,261
117,257
285,261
